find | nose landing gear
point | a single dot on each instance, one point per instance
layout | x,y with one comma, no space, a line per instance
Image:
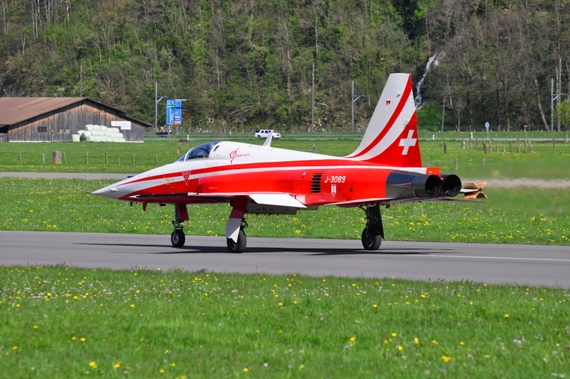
177,238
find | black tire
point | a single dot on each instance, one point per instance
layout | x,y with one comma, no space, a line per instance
371,241
239,246
177,238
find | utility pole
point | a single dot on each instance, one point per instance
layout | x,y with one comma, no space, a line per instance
156,101
354,98
313,102
559,87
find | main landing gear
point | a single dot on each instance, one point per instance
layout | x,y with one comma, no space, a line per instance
373,232
239,246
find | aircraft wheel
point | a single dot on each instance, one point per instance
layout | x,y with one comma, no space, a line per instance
371,241
177,238
239,246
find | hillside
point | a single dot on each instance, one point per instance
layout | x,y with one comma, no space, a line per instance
247,64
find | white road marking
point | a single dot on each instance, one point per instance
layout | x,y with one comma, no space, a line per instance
497,258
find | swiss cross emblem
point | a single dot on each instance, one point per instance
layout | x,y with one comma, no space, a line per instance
408,142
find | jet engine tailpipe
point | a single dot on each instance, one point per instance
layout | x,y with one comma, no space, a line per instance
451,185
404,185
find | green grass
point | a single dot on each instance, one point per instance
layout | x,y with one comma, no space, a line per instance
523,215
61,322
543,161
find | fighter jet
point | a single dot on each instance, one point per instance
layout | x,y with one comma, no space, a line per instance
386,168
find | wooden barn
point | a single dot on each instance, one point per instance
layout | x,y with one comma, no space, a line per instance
56,119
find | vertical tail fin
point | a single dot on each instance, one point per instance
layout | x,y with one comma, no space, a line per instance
391,137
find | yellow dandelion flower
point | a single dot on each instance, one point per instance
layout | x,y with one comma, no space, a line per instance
245,369
82,339
117,365
506,315
93,364
352,339
416,340
15,348
400,347
394,334
161,371
446,358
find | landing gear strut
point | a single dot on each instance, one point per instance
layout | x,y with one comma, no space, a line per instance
373,232
239,246
177,238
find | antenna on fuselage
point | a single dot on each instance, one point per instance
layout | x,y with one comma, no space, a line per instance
268,139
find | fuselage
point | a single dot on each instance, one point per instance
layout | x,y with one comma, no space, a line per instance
230,169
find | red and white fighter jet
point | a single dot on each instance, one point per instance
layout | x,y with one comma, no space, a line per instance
386,168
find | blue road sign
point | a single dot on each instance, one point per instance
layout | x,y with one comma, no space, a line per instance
170,109
173,112
178,112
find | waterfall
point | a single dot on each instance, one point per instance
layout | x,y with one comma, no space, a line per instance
418,100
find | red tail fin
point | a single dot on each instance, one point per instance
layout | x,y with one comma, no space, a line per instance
391,137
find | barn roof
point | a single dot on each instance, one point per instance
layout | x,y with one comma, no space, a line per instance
17,109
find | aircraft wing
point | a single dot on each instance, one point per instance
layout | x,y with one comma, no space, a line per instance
278,199
274,198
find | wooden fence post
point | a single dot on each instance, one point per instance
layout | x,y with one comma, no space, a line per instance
133,159
87,158
20,157
106,159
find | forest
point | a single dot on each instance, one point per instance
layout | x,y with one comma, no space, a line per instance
246,64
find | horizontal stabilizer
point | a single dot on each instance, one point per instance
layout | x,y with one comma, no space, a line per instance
474,190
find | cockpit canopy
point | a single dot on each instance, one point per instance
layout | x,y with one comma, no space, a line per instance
200,151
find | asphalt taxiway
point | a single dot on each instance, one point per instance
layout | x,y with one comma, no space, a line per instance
529,265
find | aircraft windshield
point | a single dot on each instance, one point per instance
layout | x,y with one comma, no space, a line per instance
200,151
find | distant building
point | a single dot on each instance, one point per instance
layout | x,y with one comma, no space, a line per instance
56,119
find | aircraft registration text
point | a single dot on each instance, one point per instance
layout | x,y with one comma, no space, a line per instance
335,179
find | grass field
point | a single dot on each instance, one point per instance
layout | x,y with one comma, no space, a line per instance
526,215
511,160
523,215
60,322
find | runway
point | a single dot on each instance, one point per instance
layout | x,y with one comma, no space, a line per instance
529,265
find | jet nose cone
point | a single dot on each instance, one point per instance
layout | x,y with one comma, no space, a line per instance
110,192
